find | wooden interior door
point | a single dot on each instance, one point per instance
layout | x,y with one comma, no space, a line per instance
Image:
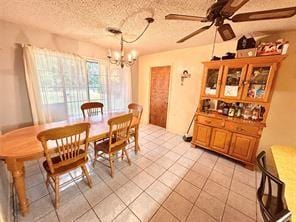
159,93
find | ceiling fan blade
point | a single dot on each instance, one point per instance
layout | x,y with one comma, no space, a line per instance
226,32
232,6
262,15
194,33
184,17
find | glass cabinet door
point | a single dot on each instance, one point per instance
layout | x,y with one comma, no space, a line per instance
212,82
258,82
232,81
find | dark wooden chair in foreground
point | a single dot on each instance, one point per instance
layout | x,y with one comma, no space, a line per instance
91,109
137,111
273,208
119,128
65,149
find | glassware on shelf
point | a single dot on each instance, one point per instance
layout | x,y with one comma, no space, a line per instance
225,109
232,82
255,113
238,111
247,113
212,81
231,110
220,107
258,81
261,114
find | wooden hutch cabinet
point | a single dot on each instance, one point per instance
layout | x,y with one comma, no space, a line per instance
234,104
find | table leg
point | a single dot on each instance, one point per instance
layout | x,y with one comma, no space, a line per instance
137,138
17,170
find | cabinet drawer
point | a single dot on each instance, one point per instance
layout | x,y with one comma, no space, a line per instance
244,129
210,121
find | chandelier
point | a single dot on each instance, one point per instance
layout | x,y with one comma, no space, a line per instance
119,58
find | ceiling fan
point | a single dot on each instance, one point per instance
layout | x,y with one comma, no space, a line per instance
223,10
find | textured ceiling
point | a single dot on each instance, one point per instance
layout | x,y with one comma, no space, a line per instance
87,19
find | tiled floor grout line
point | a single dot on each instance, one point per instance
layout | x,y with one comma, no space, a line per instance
174,144
182,178
228,193
201,189
242,196
156,179
102,180
173,190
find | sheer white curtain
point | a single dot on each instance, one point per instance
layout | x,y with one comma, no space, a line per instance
57,84
119,88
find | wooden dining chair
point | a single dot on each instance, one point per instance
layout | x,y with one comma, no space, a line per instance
273,208
65,149
137,111
92,109
119,128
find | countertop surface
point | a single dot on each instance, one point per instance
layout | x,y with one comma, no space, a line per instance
285,161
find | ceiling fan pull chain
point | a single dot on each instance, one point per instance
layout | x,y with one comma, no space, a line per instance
214,44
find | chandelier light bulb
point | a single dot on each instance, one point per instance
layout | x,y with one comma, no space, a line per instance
116,56
134,54
129,57
109,53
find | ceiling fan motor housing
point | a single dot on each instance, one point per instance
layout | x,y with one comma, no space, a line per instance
215,10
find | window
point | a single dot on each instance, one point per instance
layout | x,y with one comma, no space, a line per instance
63,83
66,81
97,82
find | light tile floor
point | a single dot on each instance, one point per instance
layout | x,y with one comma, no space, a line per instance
168,180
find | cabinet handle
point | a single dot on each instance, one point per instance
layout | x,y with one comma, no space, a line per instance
208,121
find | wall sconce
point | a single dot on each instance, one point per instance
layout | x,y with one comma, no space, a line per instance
184,75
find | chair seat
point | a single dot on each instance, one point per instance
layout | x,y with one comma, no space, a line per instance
104,147
273,203
65,168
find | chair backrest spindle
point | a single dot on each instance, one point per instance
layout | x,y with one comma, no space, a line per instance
91,109
119,130
69,143
136,110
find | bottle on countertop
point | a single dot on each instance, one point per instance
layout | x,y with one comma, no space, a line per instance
261,113
238,111
225,109
247,112
231,110
255,113
220,107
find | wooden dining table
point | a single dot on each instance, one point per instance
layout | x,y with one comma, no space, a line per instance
21,145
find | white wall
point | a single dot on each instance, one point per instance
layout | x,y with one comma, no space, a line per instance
15,108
